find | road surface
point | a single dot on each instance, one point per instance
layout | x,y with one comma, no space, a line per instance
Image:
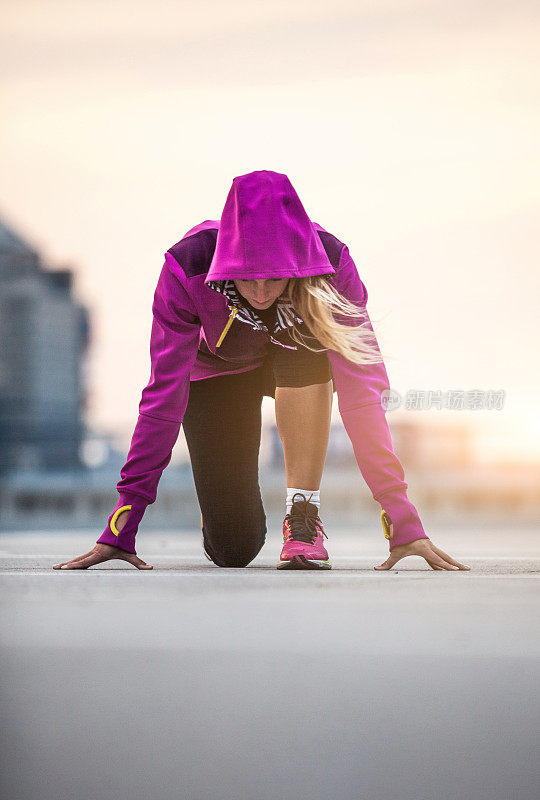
192,681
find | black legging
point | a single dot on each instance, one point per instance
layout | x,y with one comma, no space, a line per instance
222,425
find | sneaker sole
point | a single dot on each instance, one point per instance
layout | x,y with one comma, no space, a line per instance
301,562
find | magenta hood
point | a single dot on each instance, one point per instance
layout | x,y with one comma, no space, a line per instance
264,232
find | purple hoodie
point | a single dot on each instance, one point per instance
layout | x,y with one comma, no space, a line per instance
201,329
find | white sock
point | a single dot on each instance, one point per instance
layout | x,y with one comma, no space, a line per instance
315,499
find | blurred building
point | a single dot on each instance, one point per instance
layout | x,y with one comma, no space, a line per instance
44,335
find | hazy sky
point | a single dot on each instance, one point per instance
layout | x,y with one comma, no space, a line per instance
410,130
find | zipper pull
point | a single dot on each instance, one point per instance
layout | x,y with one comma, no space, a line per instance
232,315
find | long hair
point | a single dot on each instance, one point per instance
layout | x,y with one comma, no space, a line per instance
320,306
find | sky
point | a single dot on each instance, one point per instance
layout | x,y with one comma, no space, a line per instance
410,131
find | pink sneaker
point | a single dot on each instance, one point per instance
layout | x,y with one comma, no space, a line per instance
303,536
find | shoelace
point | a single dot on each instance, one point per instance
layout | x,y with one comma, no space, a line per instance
303,526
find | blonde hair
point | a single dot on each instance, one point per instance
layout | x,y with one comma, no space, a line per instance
320,305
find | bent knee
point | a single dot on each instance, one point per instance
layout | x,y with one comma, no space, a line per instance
238,557
233,561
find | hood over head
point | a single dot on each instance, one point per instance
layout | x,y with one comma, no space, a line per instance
264,232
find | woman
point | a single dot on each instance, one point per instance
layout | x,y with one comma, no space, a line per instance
261,302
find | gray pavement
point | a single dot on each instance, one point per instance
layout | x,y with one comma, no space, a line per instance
192,681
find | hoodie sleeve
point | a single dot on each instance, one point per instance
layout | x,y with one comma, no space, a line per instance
174,342
359,388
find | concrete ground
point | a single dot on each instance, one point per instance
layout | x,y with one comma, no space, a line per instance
192,681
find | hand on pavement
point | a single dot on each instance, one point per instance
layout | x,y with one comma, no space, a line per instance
436,558
100,553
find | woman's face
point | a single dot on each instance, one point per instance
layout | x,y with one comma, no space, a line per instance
261,293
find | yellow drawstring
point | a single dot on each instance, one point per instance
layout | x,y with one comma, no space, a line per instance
232,315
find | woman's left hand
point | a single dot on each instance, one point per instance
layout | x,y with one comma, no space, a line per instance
435,557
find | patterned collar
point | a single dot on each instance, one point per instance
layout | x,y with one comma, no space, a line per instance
285,316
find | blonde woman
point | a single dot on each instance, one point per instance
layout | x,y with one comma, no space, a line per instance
261,302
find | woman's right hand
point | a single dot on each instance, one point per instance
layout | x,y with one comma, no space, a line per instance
105,552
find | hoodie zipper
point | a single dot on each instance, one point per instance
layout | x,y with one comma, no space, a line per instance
232,315
234,311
